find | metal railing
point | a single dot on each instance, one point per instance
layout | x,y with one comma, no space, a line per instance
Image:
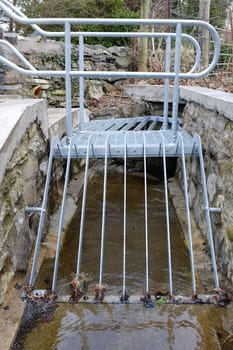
174,37
118,139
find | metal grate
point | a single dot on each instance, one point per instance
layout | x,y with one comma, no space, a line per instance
149,136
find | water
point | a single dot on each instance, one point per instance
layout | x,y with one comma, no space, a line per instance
105,326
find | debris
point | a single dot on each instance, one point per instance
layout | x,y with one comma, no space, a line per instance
161,300
124,298
100,290
79,287
222,297
17,286
147,301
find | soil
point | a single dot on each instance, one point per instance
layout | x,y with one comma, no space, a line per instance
218,81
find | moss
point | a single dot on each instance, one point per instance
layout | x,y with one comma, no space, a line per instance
229,231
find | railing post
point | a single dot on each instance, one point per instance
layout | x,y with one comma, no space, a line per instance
176,81
68,79
81,81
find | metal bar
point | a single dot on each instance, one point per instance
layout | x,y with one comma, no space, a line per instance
103,212
124,219
188,216
81,230
166,83
17,15
141,124
81,81
215,210
18,54
104,21
42,216
175,104
146,215
207,213
61,219
68,79
167,217
153,124
33,210
103,74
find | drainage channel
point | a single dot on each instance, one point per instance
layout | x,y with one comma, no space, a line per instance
125,326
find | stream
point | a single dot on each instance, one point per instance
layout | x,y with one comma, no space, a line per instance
129,326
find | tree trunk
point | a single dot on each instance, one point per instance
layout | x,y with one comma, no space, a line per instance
143,42
204,14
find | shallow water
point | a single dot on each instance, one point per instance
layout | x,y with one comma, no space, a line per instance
101,326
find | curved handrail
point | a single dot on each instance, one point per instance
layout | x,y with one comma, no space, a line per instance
33,71
18,16
17,53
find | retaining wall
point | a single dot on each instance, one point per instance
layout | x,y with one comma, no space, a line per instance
26,127
208,113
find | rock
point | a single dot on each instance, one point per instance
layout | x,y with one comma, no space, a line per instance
94,89
211,186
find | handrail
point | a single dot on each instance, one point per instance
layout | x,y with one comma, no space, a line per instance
17,53
20,17
171,71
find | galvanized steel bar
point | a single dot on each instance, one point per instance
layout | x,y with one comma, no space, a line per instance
42,216
167,217
103,212
102,74
104,21
18,54
188,215
61,219
68,80
81,230
166,82
81,81
207,213
146,215
175,100
124,218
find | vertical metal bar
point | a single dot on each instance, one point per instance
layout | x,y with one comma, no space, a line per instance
42,216
61,219
146,214
81,81
207,213
167,218
188,216
68,79
81,230
176,81
166,83
124,219
103,212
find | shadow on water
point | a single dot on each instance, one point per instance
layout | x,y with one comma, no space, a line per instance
102,326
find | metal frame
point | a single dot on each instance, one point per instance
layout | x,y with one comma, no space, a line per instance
151,136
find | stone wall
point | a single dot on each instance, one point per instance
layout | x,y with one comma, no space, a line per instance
26,127
49,55
209,114
23,149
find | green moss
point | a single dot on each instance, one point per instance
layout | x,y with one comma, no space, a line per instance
229,231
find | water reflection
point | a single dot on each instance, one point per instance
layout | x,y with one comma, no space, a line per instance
125,327
113,327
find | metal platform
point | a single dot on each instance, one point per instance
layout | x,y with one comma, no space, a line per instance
148,136
137,135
